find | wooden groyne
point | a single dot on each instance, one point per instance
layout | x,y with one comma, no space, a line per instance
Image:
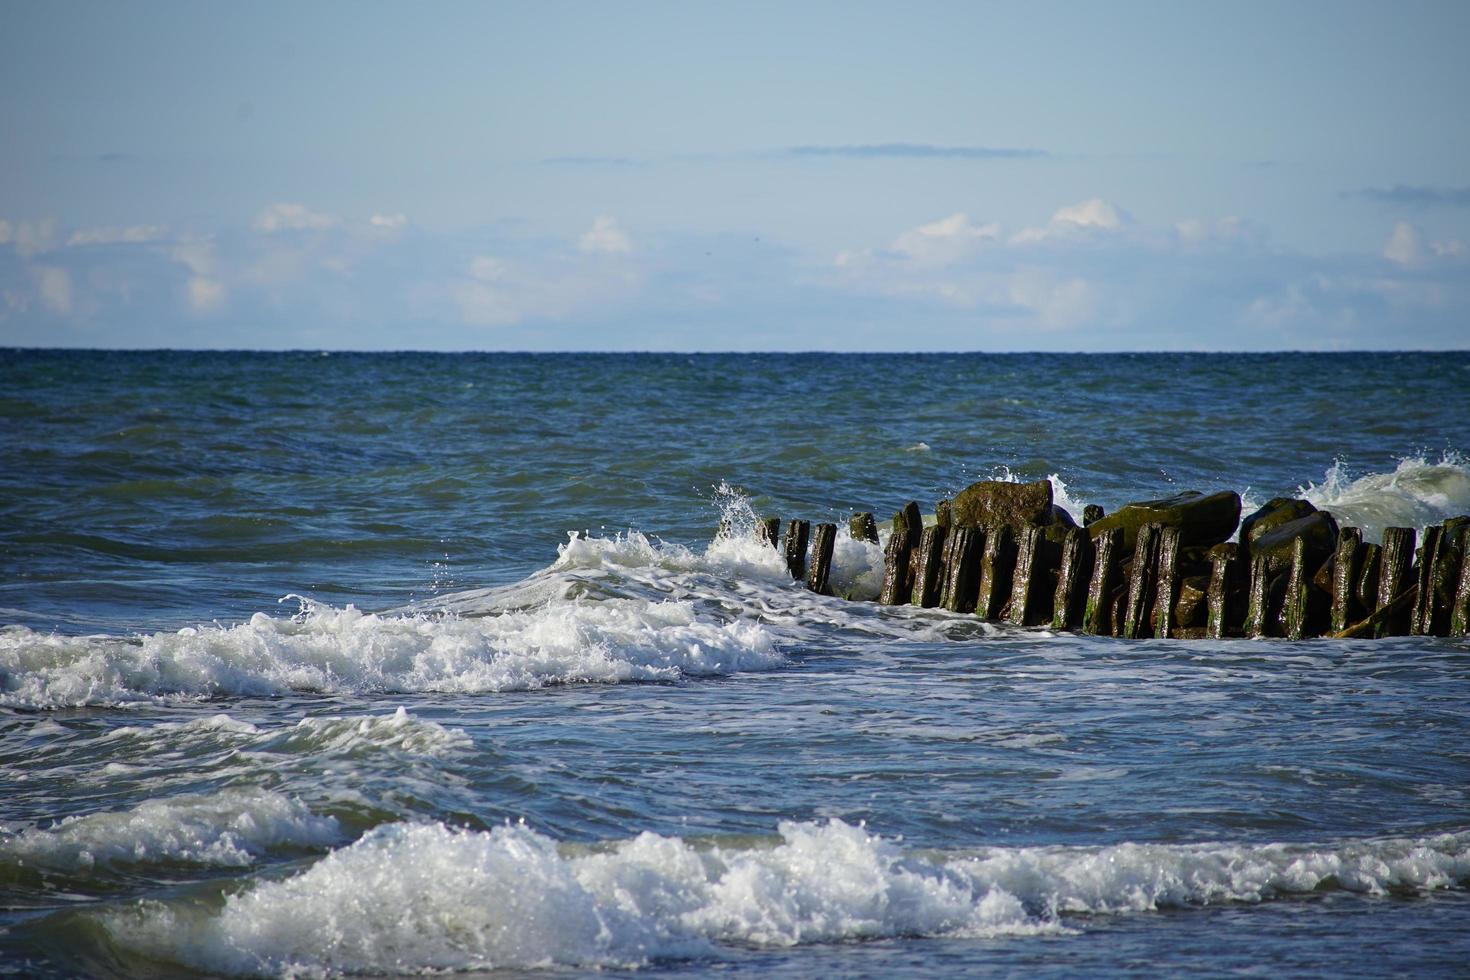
1156,568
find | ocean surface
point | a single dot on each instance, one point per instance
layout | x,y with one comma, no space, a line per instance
383,664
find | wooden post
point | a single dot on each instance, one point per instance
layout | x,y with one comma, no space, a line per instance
1446,575
942,514
1224,573
995,571
1257,598
1097,617
897,583
961,569
1421,617
769,530
1168,582
1141,583
1366,588
1030,568
1072,580
1294,609
926,576
1460,604
822,543
862,527
1393,573
797,533
1347,563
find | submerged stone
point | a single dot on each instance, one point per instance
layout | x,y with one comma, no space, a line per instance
1201,519
993,502
1317,529
1272,514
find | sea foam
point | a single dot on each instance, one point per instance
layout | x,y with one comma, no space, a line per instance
1418,492
232,828
413,898
344,650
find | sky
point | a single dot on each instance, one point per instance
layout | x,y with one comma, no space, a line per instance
715,176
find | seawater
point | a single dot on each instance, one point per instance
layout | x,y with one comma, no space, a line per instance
380,664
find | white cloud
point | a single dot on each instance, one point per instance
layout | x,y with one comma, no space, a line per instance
29,238
291,217
54,285
130,235
204,295
1058,301
944,241
1403,245
1076,220
389,222
497,292
605,236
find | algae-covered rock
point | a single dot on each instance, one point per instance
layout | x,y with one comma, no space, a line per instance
992,502
1201,519
1091,514
1272,514
1060,516
1318,529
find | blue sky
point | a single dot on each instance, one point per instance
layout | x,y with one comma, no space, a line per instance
701,176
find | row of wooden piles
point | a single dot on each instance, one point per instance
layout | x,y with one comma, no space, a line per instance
1159,568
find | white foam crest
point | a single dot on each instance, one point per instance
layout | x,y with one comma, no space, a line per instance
233,828
1416,494
348,651
400,730
412,898
1145,877
857,567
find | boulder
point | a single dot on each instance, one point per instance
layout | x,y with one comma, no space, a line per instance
1091,514
1273,513
1201,519
1318,528
1060,516
992,502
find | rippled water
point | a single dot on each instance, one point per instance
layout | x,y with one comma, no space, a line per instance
521,709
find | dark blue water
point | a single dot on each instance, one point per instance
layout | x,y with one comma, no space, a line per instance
625,743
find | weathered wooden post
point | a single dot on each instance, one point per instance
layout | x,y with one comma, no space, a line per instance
1347,564
1167,585
1072,580
1460,603
797,533
996,563
1257,599
1097,618
1446,573
1029,571
897,582
862,527
927,580
1421,617
1393,573
961,569
1141,583
1224,576
1366,588
768,529
1294,608
823,542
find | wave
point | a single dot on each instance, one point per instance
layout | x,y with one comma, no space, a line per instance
232,828
1419,492
330,650
415,898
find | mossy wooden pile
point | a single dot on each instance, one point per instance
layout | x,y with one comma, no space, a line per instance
1157,568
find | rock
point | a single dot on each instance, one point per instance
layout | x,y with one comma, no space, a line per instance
941,513
990,503
1318,529
1060,517
1274,513
862,527
1202,520
1091,514
1191,605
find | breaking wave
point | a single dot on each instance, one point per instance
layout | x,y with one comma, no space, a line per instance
1416,494
415,898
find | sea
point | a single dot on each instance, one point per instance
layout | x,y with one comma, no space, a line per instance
320,664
